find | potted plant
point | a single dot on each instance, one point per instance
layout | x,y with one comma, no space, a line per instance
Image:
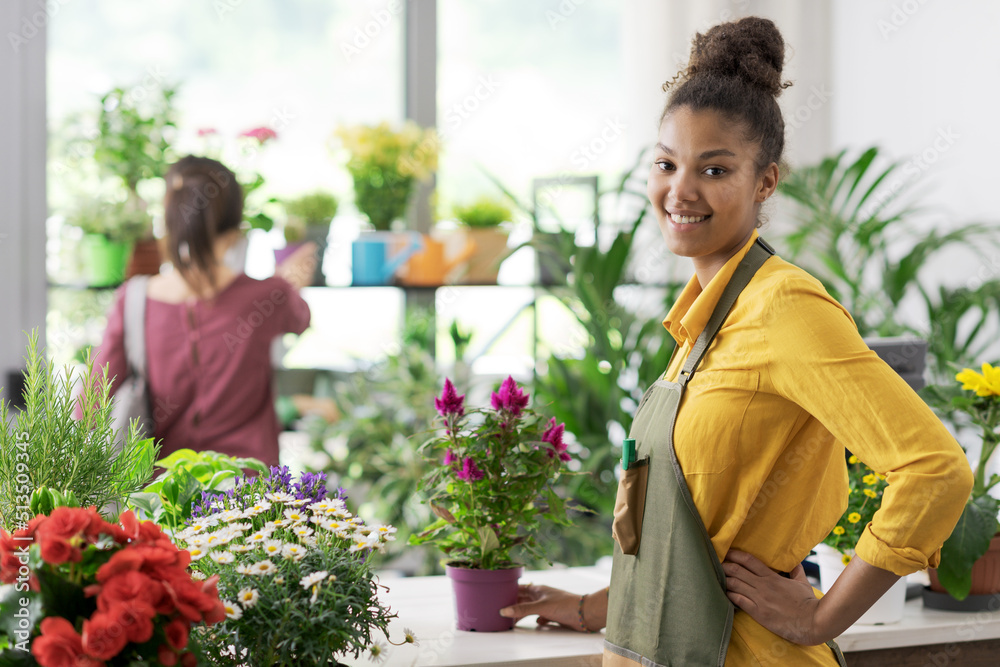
969,571
837,549
491,486
45,446
294,570
385,164
132,145
308,220
101,593
482,219
110,233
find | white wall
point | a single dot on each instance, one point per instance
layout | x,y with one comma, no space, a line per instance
909,73
22,177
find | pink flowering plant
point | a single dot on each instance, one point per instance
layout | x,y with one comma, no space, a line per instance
491,484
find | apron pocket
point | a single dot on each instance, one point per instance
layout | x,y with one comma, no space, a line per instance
629,506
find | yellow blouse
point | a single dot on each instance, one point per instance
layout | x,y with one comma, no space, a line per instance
786,385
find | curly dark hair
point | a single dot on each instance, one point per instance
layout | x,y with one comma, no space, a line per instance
735,69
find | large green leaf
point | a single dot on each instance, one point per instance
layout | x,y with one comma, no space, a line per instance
968,542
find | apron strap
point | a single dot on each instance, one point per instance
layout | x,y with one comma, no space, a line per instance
759,252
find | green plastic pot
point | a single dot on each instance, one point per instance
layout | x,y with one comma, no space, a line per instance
104,260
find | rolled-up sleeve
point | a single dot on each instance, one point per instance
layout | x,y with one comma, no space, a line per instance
817,359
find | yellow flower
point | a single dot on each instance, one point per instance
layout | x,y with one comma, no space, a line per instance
853,459
846,559
870,480
838,530
987,384
853,517
870,493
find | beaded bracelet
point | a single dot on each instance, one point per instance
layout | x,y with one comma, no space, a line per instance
579,612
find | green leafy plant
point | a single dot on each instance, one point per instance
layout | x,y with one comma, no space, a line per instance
484,212
491,480
188,475
44,446
123,222
597,392
294,572
135,129
311,210
854,232
385,164
864,499
372,450
979,400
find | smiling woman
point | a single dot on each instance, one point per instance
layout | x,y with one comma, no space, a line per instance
770,380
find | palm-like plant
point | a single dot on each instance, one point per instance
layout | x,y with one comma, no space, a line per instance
854,232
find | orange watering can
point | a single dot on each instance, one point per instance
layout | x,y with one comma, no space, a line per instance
432,265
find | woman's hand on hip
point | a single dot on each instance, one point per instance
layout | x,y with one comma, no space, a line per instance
786,607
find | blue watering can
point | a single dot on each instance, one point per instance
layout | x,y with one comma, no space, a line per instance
375,256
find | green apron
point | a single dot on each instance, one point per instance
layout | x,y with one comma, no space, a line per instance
667,605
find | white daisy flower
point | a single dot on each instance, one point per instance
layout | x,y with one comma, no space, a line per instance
335,526
279,580
312,579
199,576
263,567
248,597
257,508
280,497
197,540
240,548
244,569
385,530
272,547
364,530
241,526
343,534
299,503
197,553
360,545
320,506
294,551
216,539
315,596
295,515
310,541
223,557
233,610
339,513
280,523
332,577
302,531
231,515
258,538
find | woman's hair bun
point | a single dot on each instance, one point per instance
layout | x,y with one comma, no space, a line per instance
751,48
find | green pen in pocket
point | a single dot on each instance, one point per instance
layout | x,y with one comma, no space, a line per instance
628,453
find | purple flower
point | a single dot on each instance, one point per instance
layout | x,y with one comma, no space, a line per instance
450,403
449,457
311,486
554,436
469,472
510,397
279,480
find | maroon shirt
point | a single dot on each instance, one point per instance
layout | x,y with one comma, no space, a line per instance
209,365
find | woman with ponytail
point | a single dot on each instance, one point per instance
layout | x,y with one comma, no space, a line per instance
208,329
738,468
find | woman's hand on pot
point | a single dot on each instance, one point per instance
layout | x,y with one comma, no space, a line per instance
298,267
555,606
785,606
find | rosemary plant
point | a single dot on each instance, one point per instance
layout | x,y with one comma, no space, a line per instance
44,446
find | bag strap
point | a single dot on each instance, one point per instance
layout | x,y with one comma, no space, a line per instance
759,253
135,325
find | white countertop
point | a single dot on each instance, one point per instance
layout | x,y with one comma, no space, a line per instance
425,606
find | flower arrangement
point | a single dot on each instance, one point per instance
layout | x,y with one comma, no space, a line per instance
385,163
865,498
103,593
491,480
293,570
979,400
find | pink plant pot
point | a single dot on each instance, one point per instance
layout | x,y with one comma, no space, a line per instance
481,594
